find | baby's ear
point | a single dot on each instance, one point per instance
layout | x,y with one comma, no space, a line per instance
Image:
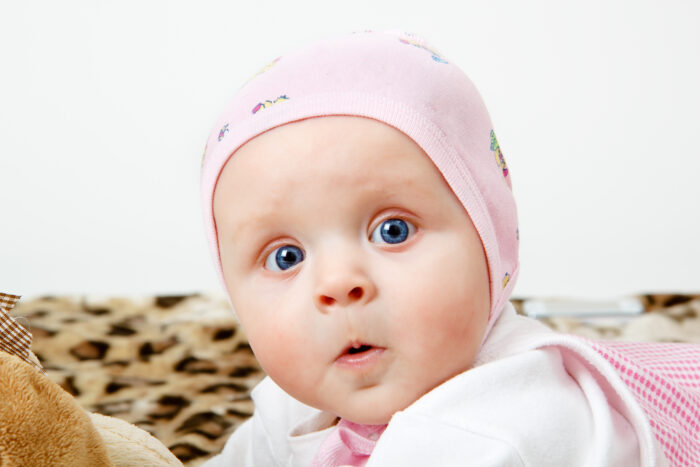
41,424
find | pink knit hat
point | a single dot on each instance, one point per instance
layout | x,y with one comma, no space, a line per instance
398,79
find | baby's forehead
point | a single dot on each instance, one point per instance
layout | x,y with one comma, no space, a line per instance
354,166
336,180
362,152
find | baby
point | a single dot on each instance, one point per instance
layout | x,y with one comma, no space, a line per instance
360,214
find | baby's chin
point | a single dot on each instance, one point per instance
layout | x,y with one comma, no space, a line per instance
372,411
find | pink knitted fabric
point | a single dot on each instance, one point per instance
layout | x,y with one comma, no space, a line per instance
665,380
348,444
398,79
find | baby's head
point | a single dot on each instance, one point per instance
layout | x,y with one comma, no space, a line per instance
361,218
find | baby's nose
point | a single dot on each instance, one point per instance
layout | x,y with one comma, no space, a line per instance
343,290
355,293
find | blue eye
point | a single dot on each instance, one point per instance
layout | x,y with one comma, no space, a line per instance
284,258
392,231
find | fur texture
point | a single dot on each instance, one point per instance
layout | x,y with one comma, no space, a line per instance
41,424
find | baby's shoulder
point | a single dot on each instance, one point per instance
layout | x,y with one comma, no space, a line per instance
517,406
532,383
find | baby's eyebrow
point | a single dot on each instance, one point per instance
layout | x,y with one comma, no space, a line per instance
258,219
247,227
250,223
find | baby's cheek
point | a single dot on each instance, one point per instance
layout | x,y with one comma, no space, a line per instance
274,348
441,322
287,356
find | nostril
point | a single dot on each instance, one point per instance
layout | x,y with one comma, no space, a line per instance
356,293
326,300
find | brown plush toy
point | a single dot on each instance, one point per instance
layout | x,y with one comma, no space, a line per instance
42,425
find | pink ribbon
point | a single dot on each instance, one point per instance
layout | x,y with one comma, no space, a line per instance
348,444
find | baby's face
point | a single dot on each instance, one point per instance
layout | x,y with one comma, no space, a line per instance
357,275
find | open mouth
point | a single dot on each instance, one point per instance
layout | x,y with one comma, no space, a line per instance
362,348
359,356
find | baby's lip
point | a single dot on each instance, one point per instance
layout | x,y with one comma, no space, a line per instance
359,357
357,348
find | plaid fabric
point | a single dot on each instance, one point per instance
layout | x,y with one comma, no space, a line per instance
14,339
665,379
7,301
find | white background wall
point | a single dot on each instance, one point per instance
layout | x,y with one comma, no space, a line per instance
105,107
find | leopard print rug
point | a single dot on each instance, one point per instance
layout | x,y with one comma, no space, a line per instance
181,368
